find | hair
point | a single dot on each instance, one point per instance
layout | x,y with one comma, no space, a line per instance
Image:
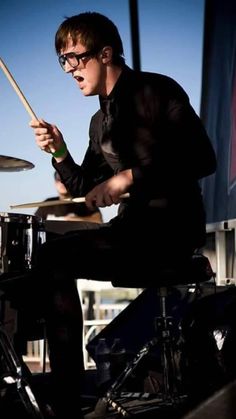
94,31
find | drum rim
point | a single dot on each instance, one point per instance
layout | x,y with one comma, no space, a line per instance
11,216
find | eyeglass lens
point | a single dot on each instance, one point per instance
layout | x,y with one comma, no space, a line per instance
72,59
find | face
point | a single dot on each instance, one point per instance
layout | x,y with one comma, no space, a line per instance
90,73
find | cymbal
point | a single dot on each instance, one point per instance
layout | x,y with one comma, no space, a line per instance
13,164
49,203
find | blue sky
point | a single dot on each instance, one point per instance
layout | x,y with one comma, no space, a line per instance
171,38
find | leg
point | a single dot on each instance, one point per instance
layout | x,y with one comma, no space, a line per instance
64,333
83,254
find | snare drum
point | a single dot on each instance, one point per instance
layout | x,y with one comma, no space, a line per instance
20,237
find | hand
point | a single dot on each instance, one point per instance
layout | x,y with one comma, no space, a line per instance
109,192
48,137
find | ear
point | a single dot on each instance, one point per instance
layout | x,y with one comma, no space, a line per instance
106,54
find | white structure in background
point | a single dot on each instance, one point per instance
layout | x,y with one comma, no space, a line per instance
221,251
104,313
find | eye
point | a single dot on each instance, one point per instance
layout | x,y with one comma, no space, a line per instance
70,55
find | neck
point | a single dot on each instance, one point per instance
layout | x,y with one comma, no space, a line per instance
112,75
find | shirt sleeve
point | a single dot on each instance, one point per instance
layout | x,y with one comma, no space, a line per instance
80,179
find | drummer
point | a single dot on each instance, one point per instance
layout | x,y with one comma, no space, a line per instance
146,140
67,212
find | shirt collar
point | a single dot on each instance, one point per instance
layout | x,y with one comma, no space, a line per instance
107,103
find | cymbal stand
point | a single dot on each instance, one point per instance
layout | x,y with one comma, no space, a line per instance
12,377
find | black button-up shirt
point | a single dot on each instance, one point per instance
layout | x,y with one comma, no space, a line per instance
156,133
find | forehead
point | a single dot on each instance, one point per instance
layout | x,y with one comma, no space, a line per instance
72,45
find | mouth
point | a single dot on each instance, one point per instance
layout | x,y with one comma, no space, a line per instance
79,79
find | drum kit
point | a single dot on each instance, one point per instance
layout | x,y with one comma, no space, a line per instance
18,229
18,232
11,258
18,238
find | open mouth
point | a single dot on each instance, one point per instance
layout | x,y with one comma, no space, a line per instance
79,78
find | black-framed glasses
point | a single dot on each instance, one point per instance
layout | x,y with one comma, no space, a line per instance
74,59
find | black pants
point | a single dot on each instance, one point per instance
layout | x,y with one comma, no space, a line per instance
85,253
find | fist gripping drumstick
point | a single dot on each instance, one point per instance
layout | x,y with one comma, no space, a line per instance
19,92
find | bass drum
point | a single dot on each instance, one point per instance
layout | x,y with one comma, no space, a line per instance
20,237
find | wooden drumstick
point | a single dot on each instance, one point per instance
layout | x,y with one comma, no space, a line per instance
19,93
17,89
56,202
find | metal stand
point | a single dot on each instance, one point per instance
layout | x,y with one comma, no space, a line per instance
171,388
12,380
165,336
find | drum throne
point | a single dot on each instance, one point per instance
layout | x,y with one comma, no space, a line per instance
171,392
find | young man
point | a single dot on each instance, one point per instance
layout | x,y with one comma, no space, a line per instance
145,140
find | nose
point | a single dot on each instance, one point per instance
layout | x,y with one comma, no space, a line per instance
68,68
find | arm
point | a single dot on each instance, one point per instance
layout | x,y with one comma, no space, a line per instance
198,154
78,179
170,144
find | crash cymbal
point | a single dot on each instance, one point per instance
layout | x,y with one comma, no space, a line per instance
13,164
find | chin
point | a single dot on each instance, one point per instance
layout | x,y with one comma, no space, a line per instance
86,91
